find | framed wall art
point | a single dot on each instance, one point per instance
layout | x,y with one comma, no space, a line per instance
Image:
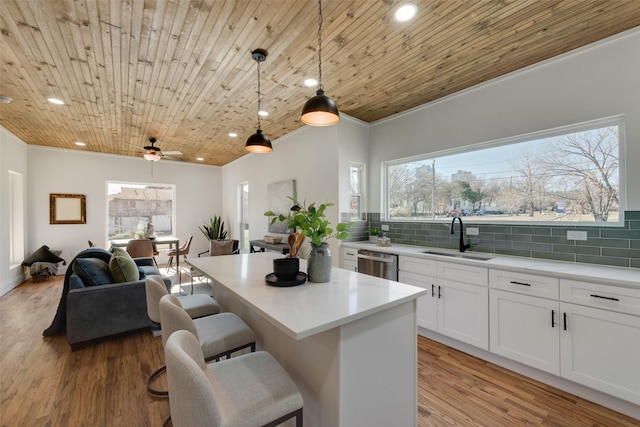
278,202
67,209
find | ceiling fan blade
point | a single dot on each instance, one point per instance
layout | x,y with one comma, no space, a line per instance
172,158
173,153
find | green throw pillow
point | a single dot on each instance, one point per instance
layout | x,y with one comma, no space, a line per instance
123,269
115,250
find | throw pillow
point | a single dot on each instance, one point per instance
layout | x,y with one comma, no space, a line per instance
92,271
118,251
42,255
123,269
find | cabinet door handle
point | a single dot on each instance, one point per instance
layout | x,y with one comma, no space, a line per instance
513,282
553,318
439,291
603,297
433,291
565,321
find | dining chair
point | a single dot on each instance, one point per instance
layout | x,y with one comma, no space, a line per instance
183,251
141,248
249,390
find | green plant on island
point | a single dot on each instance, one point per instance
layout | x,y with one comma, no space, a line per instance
311,221
214,229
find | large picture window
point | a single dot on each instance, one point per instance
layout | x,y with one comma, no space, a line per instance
565,175
140,210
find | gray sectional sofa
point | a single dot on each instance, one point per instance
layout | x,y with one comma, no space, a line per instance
94,306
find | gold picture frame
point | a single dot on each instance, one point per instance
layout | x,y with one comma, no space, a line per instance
67,209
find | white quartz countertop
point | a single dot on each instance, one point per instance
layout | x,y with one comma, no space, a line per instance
619,276
308,309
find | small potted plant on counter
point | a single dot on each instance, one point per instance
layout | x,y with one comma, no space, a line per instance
373,234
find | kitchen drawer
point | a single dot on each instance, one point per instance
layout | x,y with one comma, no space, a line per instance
417,265
527,284
417,279
463,273
350,254
614,298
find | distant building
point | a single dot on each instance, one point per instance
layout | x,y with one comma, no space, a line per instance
461,175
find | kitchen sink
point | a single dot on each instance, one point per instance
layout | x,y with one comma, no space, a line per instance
459,255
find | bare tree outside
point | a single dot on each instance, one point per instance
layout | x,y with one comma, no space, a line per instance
590,162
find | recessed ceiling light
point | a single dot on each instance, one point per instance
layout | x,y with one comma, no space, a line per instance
233,134
310,82
405,12
199,159
5,99
80,144
55,101
263,113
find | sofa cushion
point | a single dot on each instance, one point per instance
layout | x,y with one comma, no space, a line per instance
123,269
92,271
43,254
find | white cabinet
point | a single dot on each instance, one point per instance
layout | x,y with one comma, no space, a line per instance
525,328
600,338
456,304
422,273
463,312
349,258
585,332
523,322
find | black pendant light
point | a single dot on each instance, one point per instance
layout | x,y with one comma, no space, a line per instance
320,110
258,142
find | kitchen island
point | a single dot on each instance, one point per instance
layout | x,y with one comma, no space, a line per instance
350,344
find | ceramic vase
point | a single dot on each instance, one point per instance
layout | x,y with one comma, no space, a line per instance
319,263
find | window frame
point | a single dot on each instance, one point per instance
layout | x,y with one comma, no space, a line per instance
618,120
142,185
362,186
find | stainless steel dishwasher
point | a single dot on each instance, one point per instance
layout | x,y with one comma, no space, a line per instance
378,264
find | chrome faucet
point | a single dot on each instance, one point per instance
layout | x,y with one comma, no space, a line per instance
463,247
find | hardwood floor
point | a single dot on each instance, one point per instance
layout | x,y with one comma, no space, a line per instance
43,383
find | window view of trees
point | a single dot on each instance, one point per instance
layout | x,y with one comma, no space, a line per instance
572,177
139,211
356,178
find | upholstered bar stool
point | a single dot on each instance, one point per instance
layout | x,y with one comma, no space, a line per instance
248,390
198,305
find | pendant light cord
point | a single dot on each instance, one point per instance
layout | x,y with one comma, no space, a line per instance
320,45
258,111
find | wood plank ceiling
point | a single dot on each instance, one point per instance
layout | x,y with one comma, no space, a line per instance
181,70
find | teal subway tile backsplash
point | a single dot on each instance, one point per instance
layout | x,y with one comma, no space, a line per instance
617,246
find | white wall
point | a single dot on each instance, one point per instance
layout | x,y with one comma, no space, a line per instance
77,172
13,156
598,81
353,146
310,156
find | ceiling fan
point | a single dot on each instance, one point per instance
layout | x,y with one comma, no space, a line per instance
153,153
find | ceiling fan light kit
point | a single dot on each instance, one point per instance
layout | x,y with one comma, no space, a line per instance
258,142
152,156
320,110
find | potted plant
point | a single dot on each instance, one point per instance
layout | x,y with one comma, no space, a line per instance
312,222
214,232
373,234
